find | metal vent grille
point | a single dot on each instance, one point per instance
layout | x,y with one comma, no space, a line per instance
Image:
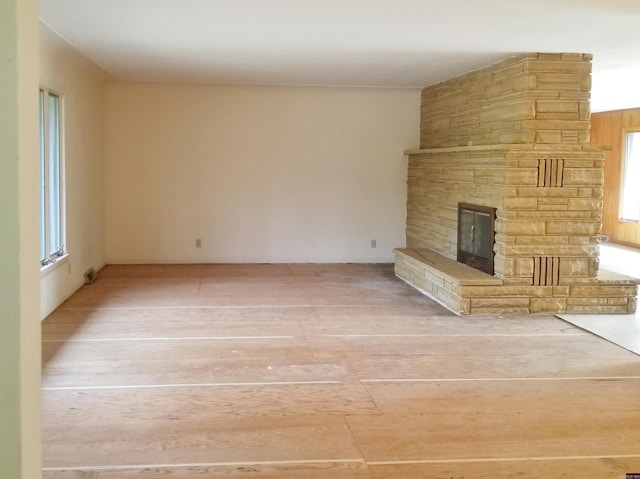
546,270
550,172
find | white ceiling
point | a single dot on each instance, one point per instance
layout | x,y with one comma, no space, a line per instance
386,43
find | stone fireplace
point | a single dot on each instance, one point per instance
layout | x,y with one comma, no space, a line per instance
513,139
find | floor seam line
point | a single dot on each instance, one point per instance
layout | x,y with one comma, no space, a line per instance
502,459
206,464
193,385
433,380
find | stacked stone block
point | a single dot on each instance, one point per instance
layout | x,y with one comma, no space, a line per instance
514,136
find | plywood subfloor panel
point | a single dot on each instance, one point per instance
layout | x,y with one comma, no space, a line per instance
317,371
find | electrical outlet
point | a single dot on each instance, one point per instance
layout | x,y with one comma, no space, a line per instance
198,243
374,243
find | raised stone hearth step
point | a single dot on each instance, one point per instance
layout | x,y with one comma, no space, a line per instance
439,277
449,269
465,290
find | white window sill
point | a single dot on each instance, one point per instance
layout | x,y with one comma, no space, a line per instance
51,267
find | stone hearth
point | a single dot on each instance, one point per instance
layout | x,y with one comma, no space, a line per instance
513,136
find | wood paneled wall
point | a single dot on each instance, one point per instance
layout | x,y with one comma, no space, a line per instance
607,129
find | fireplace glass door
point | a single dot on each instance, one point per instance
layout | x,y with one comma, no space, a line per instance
476,236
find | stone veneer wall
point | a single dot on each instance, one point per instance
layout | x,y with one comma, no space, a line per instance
514,136
530,98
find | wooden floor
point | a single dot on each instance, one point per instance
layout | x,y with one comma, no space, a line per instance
316,371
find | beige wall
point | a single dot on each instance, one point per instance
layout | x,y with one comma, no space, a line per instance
81,84
19,314
260,174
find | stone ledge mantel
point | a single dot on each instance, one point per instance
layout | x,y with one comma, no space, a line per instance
507,147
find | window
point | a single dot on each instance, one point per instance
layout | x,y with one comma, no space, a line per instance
51,178
630,204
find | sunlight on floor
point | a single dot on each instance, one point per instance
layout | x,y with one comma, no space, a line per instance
621,259
620,329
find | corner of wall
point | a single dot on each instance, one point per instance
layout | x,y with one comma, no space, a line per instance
81,83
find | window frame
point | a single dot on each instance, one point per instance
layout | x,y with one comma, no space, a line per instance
623,175
52,178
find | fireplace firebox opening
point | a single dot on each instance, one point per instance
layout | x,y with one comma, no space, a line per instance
476,236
